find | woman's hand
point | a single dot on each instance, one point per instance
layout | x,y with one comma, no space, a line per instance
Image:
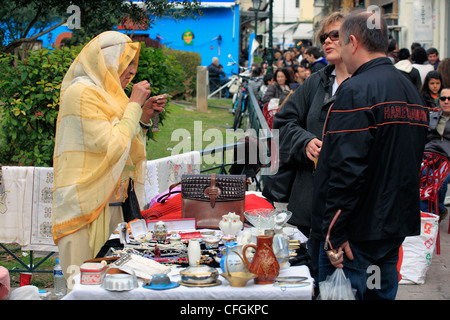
140,92
313,149
156,103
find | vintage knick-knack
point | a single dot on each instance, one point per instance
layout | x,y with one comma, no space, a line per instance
194,252
264,262
235,263
231,224
160,232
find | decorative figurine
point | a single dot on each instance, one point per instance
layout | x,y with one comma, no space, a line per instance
231,224
160,232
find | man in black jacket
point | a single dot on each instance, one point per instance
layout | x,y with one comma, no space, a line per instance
215,73
366,188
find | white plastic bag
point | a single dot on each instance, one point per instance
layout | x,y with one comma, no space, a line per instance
418,251
336,287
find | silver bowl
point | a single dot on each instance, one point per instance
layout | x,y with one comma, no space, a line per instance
199,275
122,279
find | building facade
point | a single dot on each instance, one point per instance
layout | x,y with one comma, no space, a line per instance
215,34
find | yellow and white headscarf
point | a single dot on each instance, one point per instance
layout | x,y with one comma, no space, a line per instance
98,143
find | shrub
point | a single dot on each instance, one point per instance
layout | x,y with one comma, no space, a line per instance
30,103
189,62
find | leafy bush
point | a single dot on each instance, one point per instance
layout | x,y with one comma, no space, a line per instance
186,85
30,103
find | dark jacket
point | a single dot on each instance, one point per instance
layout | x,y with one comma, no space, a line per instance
406,68
318,64
366,184
431,103
299,121
437,143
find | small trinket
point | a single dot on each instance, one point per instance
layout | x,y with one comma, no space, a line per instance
160,232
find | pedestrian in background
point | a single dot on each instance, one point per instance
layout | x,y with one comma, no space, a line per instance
431,89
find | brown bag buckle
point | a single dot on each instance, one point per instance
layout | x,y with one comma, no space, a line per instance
212,191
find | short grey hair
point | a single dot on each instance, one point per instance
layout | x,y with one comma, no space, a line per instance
373,38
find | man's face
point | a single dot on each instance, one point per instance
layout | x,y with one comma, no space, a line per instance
433,58
445,105
309,58
301,73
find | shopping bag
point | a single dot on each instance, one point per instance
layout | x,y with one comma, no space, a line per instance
336,287
418,251
130,207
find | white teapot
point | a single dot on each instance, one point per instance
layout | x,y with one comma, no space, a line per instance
231,224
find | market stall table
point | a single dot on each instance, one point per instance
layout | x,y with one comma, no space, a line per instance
220,292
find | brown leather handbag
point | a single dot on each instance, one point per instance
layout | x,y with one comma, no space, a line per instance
207,197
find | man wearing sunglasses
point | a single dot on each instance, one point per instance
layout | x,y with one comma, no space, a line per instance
366,187
439,142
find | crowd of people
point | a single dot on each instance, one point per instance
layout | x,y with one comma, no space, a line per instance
299,62
356,162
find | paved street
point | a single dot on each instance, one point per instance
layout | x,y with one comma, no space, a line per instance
437,281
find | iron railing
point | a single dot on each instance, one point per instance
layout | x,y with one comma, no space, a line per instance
254,121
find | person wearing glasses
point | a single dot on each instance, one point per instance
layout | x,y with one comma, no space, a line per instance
439,142
300,122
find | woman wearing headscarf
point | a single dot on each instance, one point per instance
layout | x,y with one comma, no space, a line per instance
99,144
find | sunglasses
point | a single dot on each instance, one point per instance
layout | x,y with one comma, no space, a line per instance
333,35
444,98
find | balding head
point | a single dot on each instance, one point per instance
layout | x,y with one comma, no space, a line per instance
370,29
215,61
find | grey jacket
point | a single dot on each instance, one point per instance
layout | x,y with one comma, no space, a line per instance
275,91
437,143
300,120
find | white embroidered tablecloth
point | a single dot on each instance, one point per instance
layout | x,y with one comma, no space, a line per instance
168,171
26,196
41,238
16,200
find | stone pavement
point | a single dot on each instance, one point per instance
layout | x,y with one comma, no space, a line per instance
437,281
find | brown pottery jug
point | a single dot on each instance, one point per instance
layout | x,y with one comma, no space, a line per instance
264,263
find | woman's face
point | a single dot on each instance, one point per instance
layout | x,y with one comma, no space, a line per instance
129,72
281,78
445,105
434,85
332,48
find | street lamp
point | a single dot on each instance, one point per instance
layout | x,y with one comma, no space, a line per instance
256,5
270,49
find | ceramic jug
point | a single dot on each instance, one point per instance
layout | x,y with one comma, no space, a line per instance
264,262
235,263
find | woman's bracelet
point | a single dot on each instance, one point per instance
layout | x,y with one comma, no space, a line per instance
146,126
